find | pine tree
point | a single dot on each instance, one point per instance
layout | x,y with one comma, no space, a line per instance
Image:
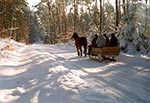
132,33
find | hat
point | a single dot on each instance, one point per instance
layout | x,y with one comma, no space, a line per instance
96,35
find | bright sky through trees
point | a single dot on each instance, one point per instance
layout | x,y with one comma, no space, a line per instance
33,2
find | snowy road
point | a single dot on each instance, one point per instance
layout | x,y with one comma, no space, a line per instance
54,74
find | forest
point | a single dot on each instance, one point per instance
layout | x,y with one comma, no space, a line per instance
54,21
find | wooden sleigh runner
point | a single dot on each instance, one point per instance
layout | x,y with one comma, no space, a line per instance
105,53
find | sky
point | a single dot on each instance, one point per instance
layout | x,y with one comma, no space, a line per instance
41,73
33,2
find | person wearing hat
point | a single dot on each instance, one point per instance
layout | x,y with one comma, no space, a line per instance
113,41
93,43
107,39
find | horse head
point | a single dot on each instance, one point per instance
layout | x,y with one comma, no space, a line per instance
75,36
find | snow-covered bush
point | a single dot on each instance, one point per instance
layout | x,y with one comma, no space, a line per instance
134,29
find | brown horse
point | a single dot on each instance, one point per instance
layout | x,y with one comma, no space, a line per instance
79,42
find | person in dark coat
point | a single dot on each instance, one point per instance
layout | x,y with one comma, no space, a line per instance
113,41
93,43
107,39
94,40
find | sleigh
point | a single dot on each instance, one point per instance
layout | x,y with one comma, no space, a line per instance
105,53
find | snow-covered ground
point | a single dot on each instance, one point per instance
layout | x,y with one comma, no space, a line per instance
41,73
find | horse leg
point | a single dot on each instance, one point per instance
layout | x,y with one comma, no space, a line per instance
81,51
85,50
78,53
78,50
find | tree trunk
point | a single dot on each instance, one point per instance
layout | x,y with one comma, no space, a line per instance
101,16
146,1
2,15
59,16
117,14
124,7
64,18
119,11
127,10
75,15
49,11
